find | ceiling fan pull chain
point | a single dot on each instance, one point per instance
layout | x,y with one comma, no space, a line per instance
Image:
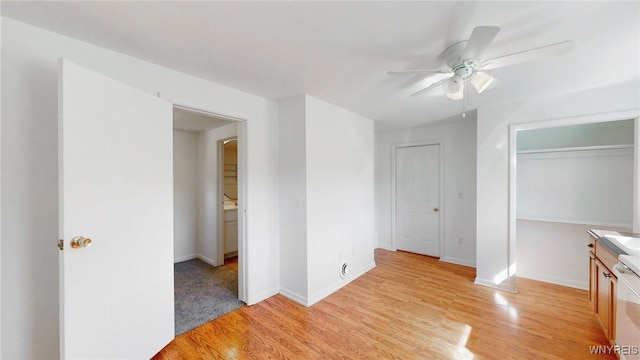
464,101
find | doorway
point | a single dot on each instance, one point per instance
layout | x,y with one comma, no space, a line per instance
556,169
200,213
228,212
417,218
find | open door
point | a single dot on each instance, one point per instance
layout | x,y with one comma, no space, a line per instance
116,209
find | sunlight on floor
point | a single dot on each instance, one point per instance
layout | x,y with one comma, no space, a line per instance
462,351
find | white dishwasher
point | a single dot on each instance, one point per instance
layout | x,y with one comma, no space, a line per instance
628,307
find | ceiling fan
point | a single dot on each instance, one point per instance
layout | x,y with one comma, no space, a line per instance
465,63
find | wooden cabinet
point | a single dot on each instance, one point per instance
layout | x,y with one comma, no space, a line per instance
230,233
592,279
605,299
602,288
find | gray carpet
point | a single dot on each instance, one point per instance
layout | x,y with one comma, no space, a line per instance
203,293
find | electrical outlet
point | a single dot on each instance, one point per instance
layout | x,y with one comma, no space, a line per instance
460,195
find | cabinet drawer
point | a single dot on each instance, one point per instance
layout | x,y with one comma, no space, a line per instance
607,258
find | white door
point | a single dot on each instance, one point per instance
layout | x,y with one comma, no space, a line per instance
116,188
417,199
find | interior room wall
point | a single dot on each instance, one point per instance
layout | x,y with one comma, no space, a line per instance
458,138
30,320
340,210
554,252
207,184
493,161
326,207
185,195
293,200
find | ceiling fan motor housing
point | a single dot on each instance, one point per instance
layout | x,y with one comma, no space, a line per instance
453,58
465,70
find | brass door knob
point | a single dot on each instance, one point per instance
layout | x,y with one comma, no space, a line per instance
80,242
436,209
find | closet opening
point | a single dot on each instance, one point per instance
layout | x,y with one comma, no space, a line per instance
567,176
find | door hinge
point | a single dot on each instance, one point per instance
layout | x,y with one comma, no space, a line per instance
61,244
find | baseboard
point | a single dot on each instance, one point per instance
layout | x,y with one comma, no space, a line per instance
207,260
558,281
252,300
385,247
292,295
491,284
315,298
458,261
230,254
184,258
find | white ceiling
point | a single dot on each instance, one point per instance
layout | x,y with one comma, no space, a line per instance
340,51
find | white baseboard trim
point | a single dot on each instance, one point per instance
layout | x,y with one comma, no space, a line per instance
491,284
582,285
309,301
231,254
386,247
252,300
458,261
337,286
292,295
184,258
207,260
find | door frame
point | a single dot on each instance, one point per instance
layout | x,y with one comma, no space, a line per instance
220,202
394,173
243,283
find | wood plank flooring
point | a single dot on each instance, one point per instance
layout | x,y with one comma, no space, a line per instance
231,263
408,307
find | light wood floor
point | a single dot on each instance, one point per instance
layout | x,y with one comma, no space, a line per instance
408,307
231,263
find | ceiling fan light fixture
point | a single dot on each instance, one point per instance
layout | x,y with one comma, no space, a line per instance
481,81
454,87
457,95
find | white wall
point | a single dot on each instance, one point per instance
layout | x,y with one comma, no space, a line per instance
555,252
587,186
340,209
208,190
185,195
459,147
326,204
293,200
493,163
29,174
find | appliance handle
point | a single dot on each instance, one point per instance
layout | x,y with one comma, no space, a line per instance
624,274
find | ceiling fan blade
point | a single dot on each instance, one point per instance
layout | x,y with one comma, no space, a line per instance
419,71
434,85
529,55
480,38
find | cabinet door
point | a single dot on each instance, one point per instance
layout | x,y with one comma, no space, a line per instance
593,275
603,296
613,299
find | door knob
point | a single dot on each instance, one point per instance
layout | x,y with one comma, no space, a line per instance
436,209
80,242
